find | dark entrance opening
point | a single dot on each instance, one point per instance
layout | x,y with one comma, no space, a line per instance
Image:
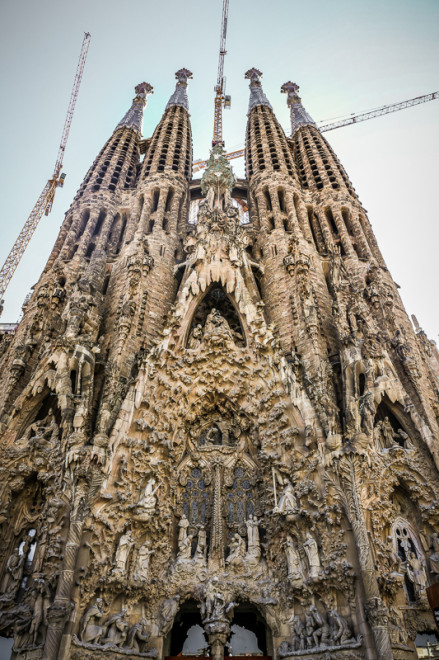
187,637
250,635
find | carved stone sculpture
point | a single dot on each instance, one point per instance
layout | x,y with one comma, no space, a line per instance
137,636
126,542
169,610
115,629
340,633
295,570
287,501
89,630
237,550
41,595
253,543
416,573
141,568
312,553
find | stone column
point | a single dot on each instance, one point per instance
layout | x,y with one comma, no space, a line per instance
375,608
216,554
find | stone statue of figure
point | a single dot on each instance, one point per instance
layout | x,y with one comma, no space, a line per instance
137,636
41,605
217,327
309,629
237,549
141,569
214,605
185,548
321,629
388,433
295,571
340,634
254,548
46,428
196,336
201,550
210,198
312,553
367,409
115,629
416,573
297,633
14,568
126,542
148,499
90,630
287,501
183,524
169,610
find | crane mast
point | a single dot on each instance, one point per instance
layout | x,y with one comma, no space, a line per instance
45,200
347,121
220,82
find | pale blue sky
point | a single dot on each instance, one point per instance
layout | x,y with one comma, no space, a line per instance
346,55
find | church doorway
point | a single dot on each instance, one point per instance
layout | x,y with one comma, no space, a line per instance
187,637
249,634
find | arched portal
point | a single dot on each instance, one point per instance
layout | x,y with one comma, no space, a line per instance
187,637
249,633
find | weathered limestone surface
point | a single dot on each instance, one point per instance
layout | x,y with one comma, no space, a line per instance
217,421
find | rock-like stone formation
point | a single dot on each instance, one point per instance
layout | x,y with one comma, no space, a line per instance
215,413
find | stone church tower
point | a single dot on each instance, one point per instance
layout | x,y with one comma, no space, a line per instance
219,431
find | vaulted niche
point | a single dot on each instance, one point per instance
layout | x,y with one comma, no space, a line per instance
250,635
392,426
216,314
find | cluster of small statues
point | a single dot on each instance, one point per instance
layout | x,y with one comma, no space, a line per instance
187,540
316,631
296,572
142,560
386,437
238,552
216,330
216,606
114,630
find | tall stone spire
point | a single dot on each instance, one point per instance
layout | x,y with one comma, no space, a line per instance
179,97
298,114
134,117
257,96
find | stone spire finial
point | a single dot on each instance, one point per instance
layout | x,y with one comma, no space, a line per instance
298,114
179,97
134,117
257,96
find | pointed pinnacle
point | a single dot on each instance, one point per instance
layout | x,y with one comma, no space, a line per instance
183,75
257,96
254,75
291,89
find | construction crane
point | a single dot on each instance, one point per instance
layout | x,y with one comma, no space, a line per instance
45,200
221,100
347,121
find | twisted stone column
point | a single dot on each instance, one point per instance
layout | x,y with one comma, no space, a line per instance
375,608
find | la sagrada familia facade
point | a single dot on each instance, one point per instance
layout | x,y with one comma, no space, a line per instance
219,430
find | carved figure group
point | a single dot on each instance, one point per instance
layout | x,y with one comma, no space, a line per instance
114,631
316,631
